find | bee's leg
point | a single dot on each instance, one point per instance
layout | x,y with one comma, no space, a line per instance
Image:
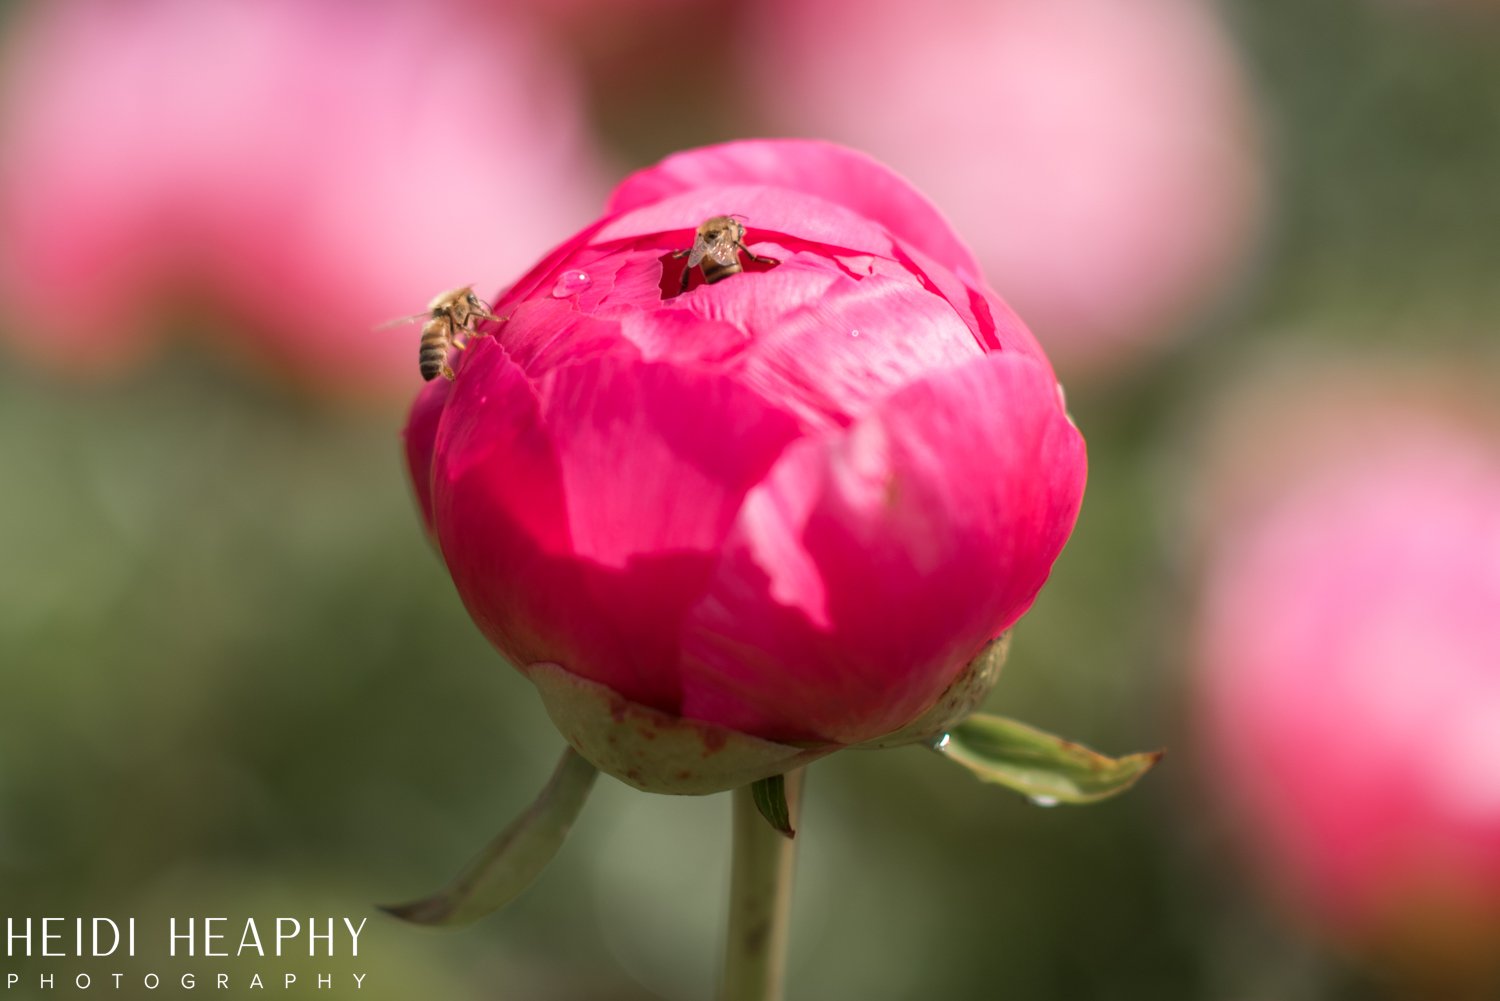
687,276
756,257
447,370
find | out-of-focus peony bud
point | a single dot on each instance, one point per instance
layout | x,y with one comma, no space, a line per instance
729,529
296,171
1102,153
1349,656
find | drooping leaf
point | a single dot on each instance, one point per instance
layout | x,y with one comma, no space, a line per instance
1044,768
510,863
770,799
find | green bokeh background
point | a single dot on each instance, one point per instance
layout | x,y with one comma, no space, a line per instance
235,679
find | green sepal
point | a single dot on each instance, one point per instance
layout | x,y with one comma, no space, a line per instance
516,856
770,799
1044,768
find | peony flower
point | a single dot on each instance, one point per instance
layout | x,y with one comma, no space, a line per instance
296,171
1349,657
1102,153
764,518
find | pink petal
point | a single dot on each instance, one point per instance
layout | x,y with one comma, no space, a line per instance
545,272
833,173
498,506
503,518
683,337
995,325
656,462
828,346
695,443
564,554
870,567
420,440
541,334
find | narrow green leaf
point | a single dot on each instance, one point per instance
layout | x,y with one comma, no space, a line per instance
508,864
770,799
1045,769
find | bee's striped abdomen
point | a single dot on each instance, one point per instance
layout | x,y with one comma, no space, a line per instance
714,271
437,337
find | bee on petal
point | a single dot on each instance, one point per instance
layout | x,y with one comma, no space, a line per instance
716,250
451,319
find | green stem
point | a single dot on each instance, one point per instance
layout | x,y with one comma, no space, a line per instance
760,899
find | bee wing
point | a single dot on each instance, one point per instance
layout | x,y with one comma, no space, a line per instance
695,256
725,249
398,321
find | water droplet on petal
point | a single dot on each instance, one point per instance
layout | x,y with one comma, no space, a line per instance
854,332
1043,800
571,283
941,742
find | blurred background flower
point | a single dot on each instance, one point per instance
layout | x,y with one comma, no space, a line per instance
1349,662
1102,156
220,627
288,174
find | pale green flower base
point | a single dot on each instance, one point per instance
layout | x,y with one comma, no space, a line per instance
658,752
655,751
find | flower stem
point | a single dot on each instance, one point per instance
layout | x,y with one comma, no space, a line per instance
760,899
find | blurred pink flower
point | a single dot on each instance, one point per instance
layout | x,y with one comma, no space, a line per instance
1350,666
299,169
571,10
793,503
1101,154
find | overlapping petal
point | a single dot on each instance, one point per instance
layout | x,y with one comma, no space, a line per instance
829,346
420,440
639,469
870,566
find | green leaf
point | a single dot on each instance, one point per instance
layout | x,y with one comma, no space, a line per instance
770,799
1045,769
510,863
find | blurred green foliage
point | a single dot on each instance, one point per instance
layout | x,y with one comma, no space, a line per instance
235,679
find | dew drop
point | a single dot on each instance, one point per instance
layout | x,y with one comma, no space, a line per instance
941,742
571,283
854,332
1043,800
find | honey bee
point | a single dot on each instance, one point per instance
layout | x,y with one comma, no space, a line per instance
451,318
716,250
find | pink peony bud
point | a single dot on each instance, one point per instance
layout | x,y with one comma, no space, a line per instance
1102,153
765,518
293,171
1350,670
